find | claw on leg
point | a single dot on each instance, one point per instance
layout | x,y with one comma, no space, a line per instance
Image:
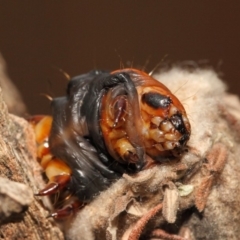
67,211
58,182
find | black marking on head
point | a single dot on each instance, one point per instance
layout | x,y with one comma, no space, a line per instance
184,139
156,100
178,123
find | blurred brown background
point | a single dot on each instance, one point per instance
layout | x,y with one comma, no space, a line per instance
37,37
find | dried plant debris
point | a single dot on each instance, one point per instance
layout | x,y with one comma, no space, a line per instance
195,197
14,197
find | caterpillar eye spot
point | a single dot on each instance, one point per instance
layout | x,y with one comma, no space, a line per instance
109,123
156,100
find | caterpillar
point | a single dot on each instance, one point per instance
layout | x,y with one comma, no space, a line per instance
109,123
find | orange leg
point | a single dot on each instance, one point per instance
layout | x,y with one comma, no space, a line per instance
57,172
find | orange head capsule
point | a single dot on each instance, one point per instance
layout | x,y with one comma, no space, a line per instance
162,123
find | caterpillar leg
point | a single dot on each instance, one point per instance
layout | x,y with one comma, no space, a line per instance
57,172
57,183
68,210
42,126
113,123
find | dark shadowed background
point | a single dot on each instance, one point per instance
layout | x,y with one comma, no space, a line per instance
38,37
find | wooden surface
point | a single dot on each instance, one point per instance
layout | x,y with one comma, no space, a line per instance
22,216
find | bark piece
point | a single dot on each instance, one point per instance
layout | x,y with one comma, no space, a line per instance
14,197
22,216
